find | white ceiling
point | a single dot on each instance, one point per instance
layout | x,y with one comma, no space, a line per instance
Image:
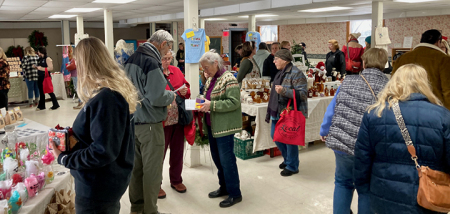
142,11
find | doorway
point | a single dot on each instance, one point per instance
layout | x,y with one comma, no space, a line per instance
237,37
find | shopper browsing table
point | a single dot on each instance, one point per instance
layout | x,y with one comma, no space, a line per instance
382,161
31,74
342,121
289,78
145,70
269,68
4,80
102,161
354,51
45,64
223,120
249,68
174,133
335,59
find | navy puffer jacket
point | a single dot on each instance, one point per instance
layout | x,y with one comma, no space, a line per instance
383,165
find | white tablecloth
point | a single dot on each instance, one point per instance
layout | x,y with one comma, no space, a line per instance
38,204
19,90
32,132
316,110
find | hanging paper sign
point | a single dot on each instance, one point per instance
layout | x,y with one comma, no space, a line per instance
190,34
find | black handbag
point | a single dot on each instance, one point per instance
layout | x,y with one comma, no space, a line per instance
184,117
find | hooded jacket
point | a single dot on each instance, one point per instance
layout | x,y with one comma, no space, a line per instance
436,63
260,57
144,68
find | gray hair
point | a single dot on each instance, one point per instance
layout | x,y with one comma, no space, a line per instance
161,36
210,57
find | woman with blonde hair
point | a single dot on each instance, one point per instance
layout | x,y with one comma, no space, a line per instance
383,165
31,74
4,80
286,45
335,59
102,160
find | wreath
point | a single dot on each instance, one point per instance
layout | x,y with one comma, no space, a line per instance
15,51
37,39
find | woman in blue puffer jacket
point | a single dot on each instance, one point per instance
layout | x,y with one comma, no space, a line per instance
383,165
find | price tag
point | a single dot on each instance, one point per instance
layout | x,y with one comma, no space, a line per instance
190,34
250,34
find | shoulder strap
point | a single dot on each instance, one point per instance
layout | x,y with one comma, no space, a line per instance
369,86
348,52
170,85
405,133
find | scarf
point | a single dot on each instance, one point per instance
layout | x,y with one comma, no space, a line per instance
154,50
272,110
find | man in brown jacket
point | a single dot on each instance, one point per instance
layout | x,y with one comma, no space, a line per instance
437,64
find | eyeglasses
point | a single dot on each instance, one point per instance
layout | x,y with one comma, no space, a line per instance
166,59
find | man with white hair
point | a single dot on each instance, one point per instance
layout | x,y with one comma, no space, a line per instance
144,68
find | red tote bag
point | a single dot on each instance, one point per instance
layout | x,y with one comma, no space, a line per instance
47,84
290,129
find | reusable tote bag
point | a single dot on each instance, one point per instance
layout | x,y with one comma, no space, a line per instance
47,85
290,129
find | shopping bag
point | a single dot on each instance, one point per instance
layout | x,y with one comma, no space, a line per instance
189,133
47,85
290,129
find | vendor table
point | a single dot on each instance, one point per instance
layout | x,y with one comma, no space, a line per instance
19,91
38,203
316,110
31,132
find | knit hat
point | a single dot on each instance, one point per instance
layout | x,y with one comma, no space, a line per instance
356,35
369,40
285,55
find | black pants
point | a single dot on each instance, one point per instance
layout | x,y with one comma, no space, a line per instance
89,206
42,95
4,98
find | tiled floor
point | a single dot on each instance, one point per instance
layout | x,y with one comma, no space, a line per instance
263,189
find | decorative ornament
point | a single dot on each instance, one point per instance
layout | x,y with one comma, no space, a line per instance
37,39
15,51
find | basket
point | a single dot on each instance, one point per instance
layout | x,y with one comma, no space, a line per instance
243,149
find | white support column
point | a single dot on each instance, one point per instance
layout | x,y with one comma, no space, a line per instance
175,39
251,23
80,25
109,35
377,18
192,158
203,23
152,29
65,30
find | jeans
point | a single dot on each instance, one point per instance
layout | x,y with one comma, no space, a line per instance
344,187
222,152
174,137
92,206
289,152
4,98
32,87
42,95
148,165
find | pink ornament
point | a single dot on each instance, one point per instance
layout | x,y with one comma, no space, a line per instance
41,180
32,185
48,158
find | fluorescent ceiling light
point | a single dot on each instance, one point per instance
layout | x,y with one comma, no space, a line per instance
258,16
61,16
325,9
413,1
215,19
82,10
113,1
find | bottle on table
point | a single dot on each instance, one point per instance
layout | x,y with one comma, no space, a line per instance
315,91
332,91
327,91
310,92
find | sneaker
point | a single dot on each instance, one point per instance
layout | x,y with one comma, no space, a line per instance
230,202
282,165
287,172
53,108
38,109
79,106
31,105
161,194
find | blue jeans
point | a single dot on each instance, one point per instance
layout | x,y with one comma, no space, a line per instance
90,206
289,152
75,85
344,186
32,87
222,152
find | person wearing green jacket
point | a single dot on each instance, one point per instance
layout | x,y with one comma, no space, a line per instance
223,119
249,68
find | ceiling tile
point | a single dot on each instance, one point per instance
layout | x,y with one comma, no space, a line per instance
49,9
126,7
21,3
16,9
59,4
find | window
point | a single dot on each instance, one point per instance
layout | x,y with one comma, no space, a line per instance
269,33
362,26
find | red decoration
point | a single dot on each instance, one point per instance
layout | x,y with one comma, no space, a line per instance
445,38
20,145
226,33
39,38
16,178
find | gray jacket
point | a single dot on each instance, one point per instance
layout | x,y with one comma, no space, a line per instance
145,70
351,102
259,58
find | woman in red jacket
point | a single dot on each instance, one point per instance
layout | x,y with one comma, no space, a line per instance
174,132
356,51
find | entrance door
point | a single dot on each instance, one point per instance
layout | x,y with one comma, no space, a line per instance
237,37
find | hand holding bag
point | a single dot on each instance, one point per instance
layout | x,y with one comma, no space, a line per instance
350,65
434,185
47,84
290,129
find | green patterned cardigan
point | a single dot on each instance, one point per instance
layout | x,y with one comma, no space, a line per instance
226,114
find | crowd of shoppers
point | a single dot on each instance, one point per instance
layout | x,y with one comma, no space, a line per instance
359,125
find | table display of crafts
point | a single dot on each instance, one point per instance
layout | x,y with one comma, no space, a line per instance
27,167
255,90
317,79
10,117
